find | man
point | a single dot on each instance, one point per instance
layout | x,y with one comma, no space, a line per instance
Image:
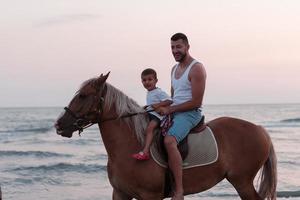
187,90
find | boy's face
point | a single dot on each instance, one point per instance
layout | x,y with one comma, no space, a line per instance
149,82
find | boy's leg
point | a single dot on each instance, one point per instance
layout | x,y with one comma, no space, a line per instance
149,135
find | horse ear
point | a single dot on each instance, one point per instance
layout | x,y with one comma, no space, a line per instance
106,76
101,79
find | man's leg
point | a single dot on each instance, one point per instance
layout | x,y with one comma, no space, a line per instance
175,164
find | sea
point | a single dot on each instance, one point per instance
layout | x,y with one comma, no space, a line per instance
36,163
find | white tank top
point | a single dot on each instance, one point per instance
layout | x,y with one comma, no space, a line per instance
182,86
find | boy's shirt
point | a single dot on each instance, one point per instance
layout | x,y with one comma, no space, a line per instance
156,96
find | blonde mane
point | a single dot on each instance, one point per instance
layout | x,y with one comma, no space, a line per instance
125,105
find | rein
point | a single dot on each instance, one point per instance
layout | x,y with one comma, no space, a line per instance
82,123
126,115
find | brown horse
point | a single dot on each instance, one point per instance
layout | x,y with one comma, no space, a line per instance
244,148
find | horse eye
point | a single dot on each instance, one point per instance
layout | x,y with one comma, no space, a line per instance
82,96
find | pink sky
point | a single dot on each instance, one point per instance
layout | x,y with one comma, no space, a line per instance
250,49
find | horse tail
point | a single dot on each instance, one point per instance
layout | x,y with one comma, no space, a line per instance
268,178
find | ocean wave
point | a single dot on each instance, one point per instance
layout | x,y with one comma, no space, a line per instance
44,181
85,141
34,130
61,168
98,157
23,180
214,194
288,162
280,194
292,120
287,194
282,125
39,154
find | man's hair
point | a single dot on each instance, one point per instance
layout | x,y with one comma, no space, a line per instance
149,71
178,36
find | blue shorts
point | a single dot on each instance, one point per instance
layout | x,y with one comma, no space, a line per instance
183,122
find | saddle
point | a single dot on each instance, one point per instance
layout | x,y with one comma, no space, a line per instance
183,145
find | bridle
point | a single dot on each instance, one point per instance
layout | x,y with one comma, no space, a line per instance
83,122
80,123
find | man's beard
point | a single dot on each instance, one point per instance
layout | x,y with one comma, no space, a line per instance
181,58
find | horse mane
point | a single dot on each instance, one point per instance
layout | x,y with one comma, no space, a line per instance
87,82
125,105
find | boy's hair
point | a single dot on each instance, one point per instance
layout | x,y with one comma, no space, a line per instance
178,36
149,71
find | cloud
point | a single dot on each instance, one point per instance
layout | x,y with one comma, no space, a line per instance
63,19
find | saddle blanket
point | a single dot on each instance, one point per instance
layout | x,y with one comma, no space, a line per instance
203,150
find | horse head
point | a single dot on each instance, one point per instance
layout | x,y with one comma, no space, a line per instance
84,109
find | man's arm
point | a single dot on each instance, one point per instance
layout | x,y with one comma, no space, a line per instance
172,90
162,104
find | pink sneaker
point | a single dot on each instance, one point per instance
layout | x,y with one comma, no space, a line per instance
141,156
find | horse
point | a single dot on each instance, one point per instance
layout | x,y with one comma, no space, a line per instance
244,148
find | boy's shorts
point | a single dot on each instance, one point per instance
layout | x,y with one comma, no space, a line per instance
183,122
154,118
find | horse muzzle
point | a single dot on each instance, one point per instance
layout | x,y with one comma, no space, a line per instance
63,132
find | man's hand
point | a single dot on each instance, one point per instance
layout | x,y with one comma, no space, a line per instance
163,110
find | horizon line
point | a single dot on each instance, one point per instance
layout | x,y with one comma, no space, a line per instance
210,104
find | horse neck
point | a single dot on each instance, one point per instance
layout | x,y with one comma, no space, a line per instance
118,138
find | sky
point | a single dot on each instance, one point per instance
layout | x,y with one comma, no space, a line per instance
250,49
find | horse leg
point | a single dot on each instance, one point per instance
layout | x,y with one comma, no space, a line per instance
118,195
245,189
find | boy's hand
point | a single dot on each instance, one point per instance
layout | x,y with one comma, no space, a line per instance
145,107
155,106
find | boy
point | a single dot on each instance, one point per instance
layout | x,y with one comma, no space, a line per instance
155,99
